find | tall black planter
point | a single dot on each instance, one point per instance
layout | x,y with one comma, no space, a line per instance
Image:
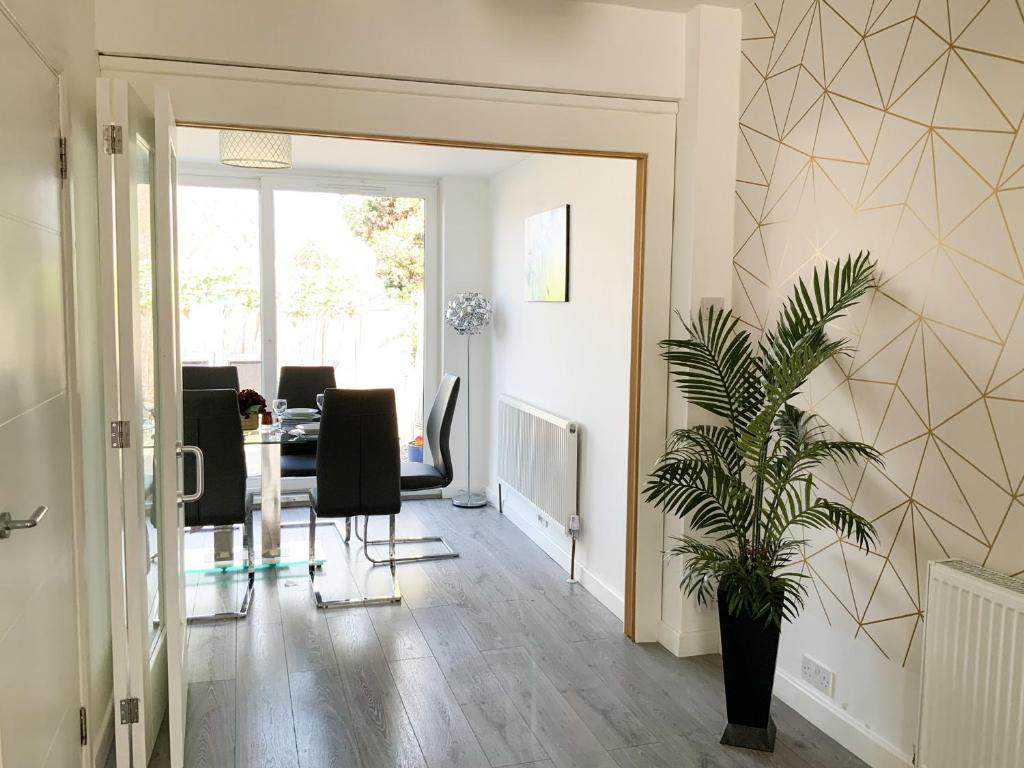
749,650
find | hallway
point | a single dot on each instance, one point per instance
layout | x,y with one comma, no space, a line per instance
491,660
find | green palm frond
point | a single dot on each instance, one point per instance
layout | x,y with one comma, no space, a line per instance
768,590
748,483
715,367
711,442
711,498
833,292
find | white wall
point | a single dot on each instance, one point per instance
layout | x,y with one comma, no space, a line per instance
538,44
571,359
702,247
466,259
64,31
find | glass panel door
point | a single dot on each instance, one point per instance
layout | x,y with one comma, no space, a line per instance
141,470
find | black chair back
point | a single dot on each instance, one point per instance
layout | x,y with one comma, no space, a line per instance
300,384
439,426
357,462
209,377
212,423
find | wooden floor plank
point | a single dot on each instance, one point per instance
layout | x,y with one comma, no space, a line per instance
265,729
379,724
307,639
210,737
211,651
561,662
444,734
399,635
504,735
322,722
564,736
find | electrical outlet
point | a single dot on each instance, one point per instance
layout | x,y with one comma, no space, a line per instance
820,677
709,302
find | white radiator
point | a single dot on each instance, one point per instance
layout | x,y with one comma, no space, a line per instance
538,456
972,691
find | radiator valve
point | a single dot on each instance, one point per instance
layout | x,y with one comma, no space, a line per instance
574,526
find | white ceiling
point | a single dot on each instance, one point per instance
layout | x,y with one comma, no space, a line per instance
201,145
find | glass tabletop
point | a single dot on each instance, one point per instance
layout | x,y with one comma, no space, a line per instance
275,436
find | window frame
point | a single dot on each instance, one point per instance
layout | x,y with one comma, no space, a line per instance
266,184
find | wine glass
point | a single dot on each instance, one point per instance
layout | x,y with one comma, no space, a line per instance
279,406
320,402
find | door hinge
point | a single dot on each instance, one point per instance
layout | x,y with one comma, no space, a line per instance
129,711
120,434
83,726
62,157
113,139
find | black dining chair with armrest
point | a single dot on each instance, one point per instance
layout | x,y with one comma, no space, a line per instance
417,476
357,473
211,422
299,385
209,377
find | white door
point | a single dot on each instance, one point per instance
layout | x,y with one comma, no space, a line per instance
39,674
142,379
169,409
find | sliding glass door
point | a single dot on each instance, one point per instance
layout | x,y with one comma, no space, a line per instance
278,270
349,272
219,278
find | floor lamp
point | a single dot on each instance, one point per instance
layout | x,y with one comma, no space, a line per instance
468,313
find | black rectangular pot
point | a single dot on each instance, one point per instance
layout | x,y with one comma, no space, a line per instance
749,651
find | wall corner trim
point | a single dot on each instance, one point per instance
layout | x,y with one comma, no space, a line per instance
837,723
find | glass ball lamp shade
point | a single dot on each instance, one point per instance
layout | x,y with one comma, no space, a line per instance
468,313
252,149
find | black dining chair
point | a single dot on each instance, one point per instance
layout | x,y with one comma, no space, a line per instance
209,377
299,385
417,476
357,473
211,423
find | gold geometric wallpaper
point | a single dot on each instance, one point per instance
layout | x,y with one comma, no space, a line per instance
895,126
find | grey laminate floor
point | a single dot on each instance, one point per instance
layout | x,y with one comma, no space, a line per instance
491,660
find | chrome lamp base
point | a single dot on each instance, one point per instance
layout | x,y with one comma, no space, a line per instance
469,500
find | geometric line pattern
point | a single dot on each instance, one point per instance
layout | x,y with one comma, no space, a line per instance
895,126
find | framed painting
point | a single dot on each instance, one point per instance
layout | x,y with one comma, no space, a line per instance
547,255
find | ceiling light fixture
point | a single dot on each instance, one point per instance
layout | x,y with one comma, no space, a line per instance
252,149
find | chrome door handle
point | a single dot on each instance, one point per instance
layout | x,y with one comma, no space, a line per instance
7,524
187,498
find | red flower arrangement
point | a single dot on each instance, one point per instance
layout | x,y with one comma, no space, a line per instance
250,401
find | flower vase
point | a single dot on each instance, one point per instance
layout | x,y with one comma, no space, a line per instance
250,421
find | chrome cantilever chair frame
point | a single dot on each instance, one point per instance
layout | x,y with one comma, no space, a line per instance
448,554
354,602
250,555
439,422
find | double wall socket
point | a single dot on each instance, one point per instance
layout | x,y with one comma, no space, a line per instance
820,677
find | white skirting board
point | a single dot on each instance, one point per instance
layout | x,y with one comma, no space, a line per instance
694,643
558,550
837,723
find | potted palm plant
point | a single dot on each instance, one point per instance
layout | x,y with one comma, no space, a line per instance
746,486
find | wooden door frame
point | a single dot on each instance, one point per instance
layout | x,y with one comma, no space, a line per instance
636,310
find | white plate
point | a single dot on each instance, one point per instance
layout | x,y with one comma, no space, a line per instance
309,429
293,413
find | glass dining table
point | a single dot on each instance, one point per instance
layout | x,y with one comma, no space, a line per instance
270,439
